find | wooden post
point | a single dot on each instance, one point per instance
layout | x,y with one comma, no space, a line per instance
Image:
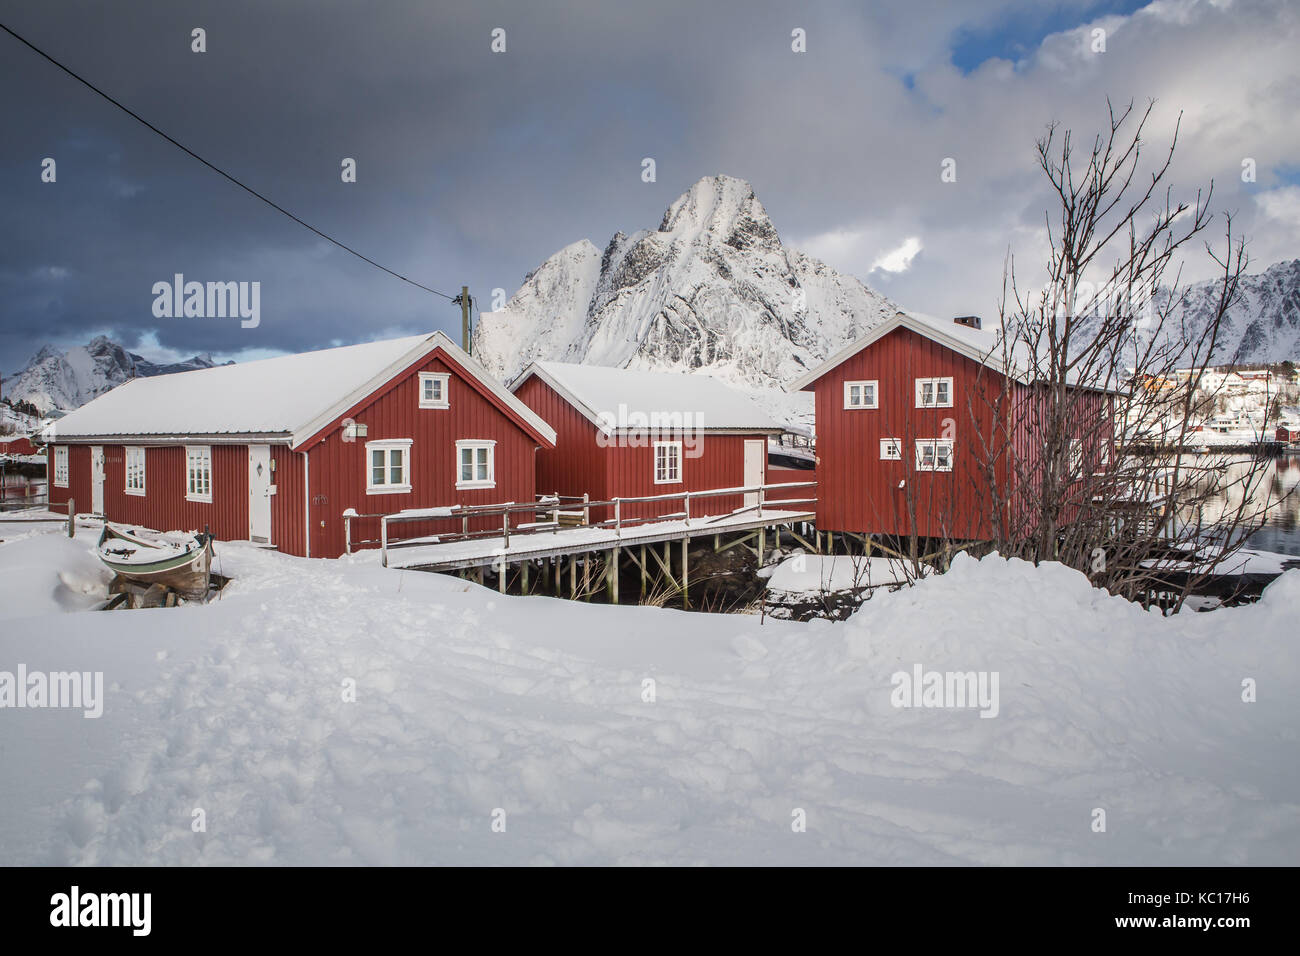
523,577
762,544
643,570
586,508
501,575
586,576
613,573
72,517
573,576
686,544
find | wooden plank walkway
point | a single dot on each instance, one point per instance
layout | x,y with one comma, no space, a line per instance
487,552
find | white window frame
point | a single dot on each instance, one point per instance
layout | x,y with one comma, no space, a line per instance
388,446
473,445
891,449
60,466
934,384
1074,459
443,382
200,491
936,444
135,466
875,394
676,458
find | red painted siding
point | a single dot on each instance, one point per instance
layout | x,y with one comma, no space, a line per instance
164,505
78,479
576,465
857,490
720,463
337,469
288,505
778,474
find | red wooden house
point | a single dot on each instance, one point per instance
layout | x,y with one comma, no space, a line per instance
624,433
275,451
16,445
913,432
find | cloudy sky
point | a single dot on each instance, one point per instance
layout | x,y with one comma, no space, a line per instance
474,166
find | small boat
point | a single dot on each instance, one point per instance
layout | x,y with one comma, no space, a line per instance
181,563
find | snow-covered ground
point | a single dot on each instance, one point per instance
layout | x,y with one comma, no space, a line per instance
468,702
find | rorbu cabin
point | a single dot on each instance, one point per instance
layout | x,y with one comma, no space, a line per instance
623,433
917,423
277,451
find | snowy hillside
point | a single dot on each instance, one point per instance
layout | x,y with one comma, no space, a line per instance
1264,324
467,701
59,381
712,289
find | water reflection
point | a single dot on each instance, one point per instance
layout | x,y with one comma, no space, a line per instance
1274,489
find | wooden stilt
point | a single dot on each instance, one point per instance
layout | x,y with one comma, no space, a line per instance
573,576
762,546
686,597
644,571
502,571
523,577
613,574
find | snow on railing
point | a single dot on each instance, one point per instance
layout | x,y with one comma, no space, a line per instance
554,506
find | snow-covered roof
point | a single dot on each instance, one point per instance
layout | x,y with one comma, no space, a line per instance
615,399
290,397
979,345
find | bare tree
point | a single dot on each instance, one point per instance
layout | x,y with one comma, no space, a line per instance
1087,462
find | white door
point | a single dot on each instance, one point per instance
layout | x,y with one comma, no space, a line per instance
97,479
755,468
260,490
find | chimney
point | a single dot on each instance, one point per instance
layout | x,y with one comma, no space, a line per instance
970,321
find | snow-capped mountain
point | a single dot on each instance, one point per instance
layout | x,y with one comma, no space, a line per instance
1263,325
712,289
58,381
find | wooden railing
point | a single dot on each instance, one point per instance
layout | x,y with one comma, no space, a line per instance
553,506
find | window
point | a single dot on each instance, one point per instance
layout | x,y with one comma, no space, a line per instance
134,471
477,464
1074,460
934,454
198,472
859,394
891,449
388,466
934,393
668,462
61,466
433,390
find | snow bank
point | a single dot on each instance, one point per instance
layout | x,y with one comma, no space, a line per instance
467,702
816,573
49,573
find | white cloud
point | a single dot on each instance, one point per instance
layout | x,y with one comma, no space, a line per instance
900,259
1281,204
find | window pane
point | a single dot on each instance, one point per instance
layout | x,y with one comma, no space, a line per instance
395,467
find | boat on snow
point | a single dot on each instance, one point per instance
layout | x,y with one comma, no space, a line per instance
181,563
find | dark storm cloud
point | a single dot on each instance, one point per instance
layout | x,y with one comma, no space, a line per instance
474,167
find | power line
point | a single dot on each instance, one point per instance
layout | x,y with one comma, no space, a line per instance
248,189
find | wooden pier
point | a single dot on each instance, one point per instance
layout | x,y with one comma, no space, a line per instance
567,554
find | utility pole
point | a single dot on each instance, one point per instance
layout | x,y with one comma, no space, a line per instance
463,300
